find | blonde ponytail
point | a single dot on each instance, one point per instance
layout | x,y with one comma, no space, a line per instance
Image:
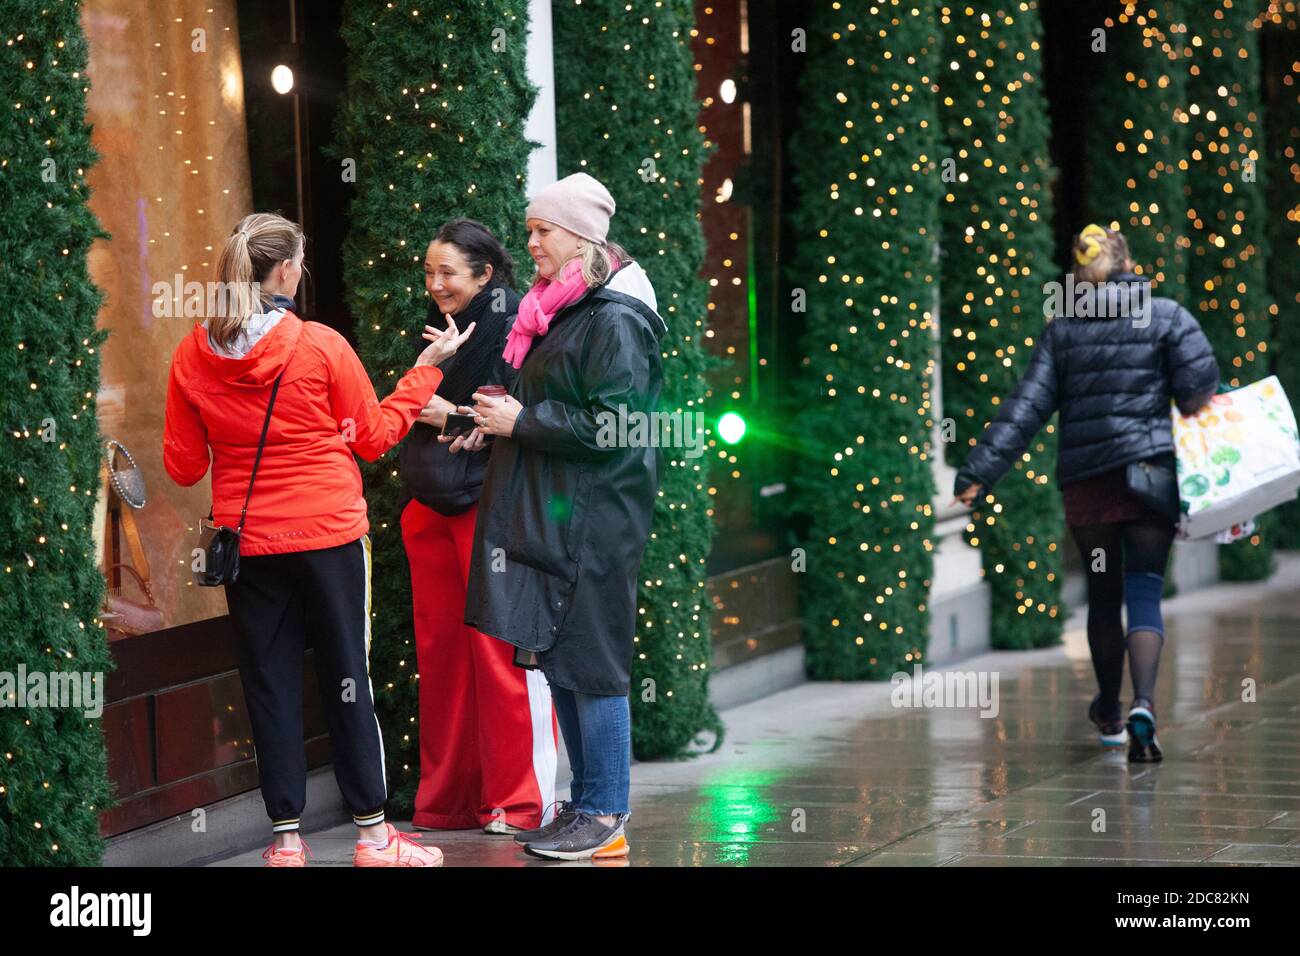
258,244
1098,252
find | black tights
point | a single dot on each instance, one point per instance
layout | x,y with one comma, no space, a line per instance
1109,552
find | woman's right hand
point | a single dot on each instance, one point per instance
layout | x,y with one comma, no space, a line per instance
443,343
472,442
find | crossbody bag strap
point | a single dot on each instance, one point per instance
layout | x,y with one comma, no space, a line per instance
261,444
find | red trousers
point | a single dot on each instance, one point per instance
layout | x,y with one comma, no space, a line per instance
487,728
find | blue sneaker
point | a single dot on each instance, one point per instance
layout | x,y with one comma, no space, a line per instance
1143,746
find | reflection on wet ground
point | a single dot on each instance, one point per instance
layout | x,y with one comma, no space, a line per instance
831,774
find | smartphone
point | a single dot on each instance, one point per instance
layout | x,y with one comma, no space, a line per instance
458,424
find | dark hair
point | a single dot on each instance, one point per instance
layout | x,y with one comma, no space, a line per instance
479,247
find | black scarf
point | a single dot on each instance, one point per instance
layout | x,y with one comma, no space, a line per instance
476,362
447,483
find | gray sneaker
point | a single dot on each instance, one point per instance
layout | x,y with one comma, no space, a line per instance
585,838
564,814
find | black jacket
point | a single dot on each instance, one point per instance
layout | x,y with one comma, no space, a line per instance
563,522
1111,380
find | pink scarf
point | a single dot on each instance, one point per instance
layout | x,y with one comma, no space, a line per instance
540,305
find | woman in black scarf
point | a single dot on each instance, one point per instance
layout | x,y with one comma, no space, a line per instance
487,728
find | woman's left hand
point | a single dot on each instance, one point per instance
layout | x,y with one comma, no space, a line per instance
968,494
435,412
496,414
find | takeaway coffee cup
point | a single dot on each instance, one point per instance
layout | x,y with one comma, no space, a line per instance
491,391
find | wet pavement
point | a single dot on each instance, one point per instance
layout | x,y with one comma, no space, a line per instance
834,774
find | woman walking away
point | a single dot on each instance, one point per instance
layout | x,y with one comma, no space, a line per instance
487,728
304,553
1111,373
565,513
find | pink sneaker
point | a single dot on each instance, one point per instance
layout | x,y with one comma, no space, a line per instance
285,857
404,849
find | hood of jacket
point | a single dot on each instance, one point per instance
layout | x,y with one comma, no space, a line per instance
1123,295
631,286
266,357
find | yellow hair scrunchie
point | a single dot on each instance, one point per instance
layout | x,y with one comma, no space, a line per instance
1091,235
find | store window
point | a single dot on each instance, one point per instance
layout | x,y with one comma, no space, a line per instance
167,103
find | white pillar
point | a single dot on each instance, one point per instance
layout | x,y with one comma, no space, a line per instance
540,127
959,596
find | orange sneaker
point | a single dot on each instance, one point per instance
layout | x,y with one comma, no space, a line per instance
404,849
286,857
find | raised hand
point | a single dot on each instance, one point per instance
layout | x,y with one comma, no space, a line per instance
443,342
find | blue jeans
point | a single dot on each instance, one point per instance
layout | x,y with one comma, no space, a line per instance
598,736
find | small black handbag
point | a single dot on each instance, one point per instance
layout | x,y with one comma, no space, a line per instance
218,563
1156,485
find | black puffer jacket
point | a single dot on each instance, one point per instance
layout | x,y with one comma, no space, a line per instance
1111,378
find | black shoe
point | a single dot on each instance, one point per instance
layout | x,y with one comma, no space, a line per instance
564,814
1111,730
585,838
1142,744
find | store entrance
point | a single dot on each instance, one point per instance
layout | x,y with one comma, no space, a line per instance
294,171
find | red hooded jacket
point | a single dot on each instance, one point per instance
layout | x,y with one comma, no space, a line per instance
308,489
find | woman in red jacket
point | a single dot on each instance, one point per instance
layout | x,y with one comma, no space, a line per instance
305,552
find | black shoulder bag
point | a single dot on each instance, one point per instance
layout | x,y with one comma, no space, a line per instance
1154,483
218,562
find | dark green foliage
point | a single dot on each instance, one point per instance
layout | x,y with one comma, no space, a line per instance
1227,268
1135,104
1284,241
423,154
1164,84
627,114
53,779
997,255
866,223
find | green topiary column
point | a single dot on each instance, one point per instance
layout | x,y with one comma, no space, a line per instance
865,222
1284,260
1227,269
432,124
53,779
626,113
1137,141
997,255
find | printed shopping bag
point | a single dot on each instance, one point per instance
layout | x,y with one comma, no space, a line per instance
1237,457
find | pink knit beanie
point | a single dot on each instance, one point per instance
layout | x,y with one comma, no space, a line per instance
578,203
